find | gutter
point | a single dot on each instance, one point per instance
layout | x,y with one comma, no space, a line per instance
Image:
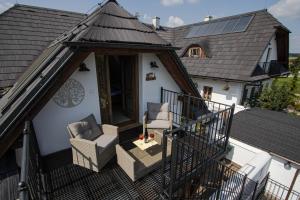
121,45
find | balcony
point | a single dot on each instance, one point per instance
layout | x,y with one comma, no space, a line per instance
192,171
274,68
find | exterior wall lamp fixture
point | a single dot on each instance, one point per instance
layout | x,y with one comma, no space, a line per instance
153,64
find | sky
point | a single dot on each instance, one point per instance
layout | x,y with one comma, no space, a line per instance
180,12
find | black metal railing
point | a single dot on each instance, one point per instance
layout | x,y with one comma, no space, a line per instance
186,107
201,136
278,191
31,182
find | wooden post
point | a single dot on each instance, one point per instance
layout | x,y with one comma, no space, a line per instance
292,184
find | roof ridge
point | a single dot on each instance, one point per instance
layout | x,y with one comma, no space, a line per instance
50,9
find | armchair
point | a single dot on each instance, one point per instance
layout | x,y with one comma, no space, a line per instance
157,116
92,146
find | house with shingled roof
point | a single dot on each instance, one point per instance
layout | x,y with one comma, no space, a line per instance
231,59
104,108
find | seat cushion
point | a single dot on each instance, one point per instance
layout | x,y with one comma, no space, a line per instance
158,111
105,140
161,124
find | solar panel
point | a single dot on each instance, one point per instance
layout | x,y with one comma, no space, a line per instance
242,24
232,25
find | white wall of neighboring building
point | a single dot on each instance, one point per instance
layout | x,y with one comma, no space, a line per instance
51,122
243,153
233,95
149,91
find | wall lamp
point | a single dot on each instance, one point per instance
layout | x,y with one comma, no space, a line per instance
154,65
83,68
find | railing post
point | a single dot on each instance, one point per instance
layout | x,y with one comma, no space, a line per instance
161,94
173,165
163,163
229,125
22,186
188,108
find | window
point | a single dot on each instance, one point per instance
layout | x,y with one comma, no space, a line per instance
207,92
196,52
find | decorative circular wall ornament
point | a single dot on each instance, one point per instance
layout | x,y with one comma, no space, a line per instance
71,94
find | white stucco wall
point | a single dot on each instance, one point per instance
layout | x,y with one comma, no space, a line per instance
273,52
51,122
233,95
243,153
150,90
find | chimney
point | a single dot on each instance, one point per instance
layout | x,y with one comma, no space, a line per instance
156,22
208,18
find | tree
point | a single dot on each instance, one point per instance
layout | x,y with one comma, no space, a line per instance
275,98
294,69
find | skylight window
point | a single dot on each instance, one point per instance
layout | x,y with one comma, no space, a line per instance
231,25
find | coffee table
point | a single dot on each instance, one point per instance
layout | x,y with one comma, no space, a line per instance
143,146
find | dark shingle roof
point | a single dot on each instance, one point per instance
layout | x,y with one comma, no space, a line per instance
233,55
272,131
25,31
112,23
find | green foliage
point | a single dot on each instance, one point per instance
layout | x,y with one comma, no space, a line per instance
294,68
276,98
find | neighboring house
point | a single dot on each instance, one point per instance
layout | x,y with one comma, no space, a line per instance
277,133
230,59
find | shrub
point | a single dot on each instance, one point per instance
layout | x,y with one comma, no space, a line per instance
276,98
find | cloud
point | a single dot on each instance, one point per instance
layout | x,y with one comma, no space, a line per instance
4,6
171,2
177,2
175,21
193,1
286,8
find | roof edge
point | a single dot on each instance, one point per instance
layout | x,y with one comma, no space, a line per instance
50,9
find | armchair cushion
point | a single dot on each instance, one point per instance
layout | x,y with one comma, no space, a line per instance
87,129
158,111
81,130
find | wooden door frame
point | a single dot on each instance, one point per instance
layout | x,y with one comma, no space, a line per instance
135,87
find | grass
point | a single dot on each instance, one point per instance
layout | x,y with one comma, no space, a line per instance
286,81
